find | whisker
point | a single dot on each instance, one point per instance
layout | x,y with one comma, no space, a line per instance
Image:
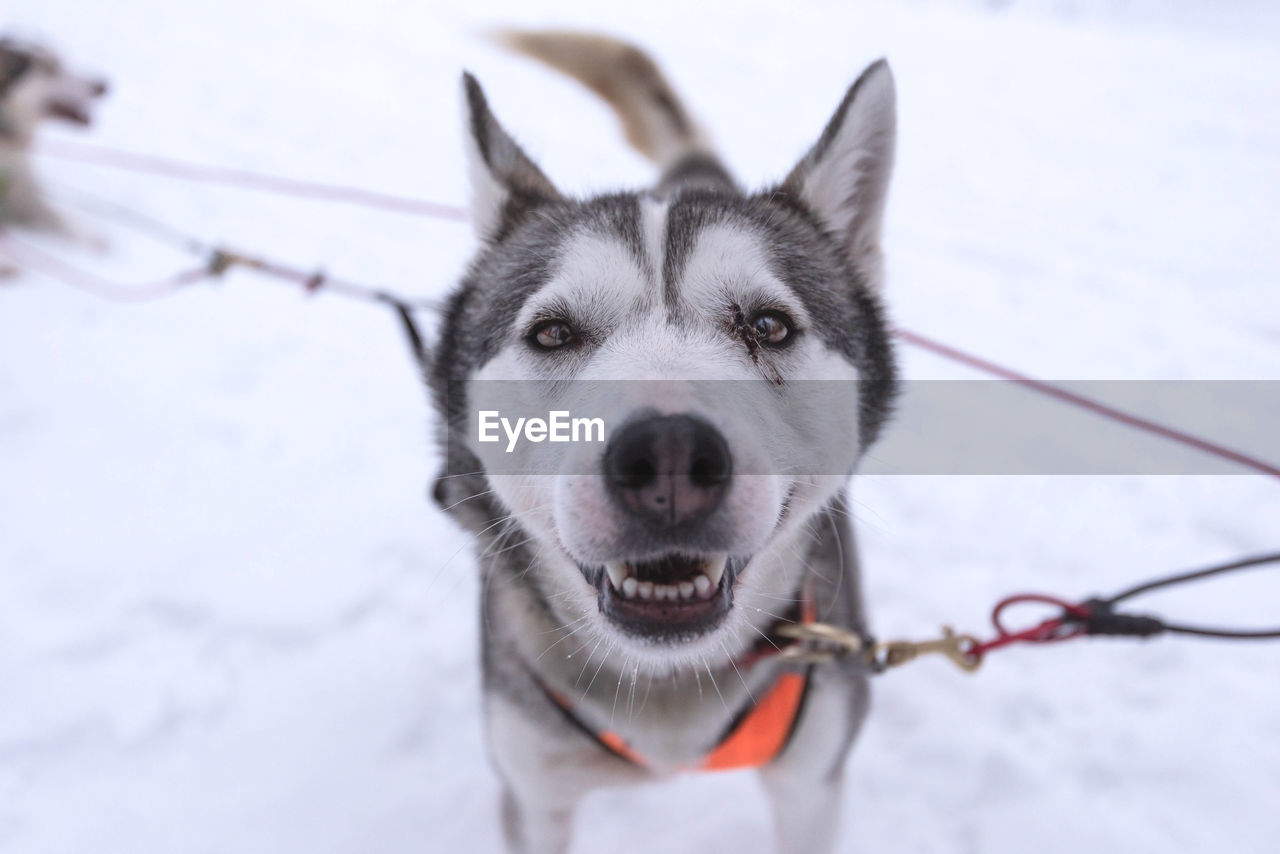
468,498
583,672
741,678
561,628
580,649
622,672
648,687
631,698
780,619
712,676
561,640
441,568
512,548
603,659
835,529
766,637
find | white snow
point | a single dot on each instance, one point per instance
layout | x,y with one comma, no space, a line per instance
229,620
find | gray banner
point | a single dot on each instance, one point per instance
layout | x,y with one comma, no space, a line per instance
968,427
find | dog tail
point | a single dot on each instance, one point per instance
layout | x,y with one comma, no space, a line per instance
655,120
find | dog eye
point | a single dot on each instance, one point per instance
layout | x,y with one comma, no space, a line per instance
771,327
552,334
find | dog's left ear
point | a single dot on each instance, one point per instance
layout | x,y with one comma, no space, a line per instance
504,181
844,178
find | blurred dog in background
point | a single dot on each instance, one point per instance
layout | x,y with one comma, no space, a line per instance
35,85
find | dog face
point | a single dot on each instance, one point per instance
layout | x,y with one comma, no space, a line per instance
737,346
35,85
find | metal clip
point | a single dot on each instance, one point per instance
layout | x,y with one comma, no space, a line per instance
958,648
819,642
222,260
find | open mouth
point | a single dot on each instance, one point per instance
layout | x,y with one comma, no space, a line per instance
70,111
674,594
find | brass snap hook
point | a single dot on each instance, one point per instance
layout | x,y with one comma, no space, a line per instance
958,648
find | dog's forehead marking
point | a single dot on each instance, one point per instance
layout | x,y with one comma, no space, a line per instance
653,217
684,221
729,263
596,273
658,295
609,262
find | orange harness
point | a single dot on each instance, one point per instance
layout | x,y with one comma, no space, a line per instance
756,737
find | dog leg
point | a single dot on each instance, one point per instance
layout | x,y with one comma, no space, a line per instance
806,809
531,826
546,768
805,784
539,793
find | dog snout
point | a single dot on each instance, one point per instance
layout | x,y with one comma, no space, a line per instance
668,470
99,87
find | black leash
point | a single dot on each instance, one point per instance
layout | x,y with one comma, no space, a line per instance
1103,619
1098,616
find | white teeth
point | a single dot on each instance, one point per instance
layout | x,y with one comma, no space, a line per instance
618,573
715,568
702,586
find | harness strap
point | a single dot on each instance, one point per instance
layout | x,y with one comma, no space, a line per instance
755,737
764,732
610,741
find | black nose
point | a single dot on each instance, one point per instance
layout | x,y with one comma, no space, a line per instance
668,469
100,87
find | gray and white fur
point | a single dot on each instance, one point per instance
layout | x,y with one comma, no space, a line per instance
693,280
35,86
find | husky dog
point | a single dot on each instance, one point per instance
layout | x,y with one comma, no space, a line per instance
34,86
632,588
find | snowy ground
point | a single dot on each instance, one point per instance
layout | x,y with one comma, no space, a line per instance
230,622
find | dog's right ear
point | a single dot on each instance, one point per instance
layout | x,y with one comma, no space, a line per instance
504,181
